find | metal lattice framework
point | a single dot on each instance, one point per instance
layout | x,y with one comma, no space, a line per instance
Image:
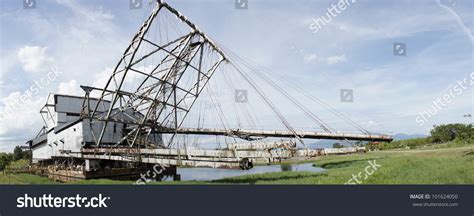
184,63
153,88
159,78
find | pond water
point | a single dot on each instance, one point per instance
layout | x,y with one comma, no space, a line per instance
208,174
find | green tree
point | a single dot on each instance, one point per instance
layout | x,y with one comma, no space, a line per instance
5,159
337,145
449,132
27,155
17,153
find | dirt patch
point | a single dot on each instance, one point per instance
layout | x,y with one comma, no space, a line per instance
468,153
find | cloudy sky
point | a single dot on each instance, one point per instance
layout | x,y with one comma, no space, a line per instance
58,45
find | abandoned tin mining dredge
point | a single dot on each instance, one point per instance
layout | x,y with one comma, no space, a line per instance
129,127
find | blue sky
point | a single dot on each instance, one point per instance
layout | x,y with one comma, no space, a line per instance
84,40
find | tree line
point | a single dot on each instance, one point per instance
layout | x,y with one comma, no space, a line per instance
446,133
18,154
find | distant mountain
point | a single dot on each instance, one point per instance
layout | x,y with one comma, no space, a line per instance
328,143
402,136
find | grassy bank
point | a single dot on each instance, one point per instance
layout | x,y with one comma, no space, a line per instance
23,179
428,166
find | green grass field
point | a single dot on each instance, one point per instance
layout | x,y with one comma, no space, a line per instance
429,165
23,179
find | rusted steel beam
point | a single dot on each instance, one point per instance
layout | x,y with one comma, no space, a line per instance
192,25
275,133
222,154
263,145
187,153
162,161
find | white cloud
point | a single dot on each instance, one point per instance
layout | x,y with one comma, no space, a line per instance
313,57
22,117
336,59
6,63
34,58
310,57
22,126
90,20
70,88
130,83
102,77
370,124
76,38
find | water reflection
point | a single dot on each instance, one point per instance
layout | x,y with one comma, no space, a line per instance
285,167
208,174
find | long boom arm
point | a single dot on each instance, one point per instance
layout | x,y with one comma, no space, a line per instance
242,133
